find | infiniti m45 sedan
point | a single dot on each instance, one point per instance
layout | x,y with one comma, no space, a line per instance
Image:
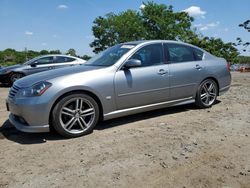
41,63
125,79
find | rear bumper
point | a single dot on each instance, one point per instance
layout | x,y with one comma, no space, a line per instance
26,128
223,90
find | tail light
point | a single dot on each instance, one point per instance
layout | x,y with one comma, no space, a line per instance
228,66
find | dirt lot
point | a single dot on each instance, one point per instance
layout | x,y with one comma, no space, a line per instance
175,147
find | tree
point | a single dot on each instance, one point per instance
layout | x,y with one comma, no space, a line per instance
113,29
55,52
154,21
71,52
86,57
44,52
245,45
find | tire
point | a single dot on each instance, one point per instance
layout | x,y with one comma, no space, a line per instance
15,76
206,94
75,115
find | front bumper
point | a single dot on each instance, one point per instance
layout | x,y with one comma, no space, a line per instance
26,128
29,115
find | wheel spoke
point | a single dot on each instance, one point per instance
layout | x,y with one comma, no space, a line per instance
87,112
68,111
70,122
84,123
77,103
211,87
207,99
80,124
203,96
205,88
212,94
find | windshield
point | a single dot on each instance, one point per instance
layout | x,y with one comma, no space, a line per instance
31,60
110,56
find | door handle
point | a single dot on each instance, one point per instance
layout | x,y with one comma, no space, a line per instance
198,67
162,72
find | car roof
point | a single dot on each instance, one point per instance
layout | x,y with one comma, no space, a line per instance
163,41
62,55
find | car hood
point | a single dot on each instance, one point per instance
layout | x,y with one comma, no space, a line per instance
48,75
11,67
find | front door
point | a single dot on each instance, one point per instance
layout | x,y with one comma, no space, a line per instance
147,84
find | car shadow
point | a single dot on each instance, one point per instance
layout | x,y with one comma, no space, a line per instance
143,116
7,131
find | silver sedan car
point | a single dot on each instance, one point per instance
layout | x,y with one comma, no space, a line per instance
125,79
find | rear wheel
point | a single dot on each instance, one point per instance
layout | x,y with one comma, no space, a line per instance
75,115
15,76
207,94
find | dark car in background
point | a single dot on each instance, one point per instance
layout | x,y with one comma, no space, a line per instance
10,74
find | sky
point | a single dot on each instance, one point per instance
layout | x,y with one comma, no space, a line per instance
65,24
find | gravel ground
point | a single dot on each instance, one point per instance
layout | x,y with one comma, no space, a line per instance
175,147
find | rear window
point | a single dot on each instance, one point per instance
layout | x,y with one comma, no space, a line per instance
198,54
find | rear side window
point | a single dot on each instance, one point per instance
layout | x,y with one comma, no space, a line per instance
198,54
176,53
62,59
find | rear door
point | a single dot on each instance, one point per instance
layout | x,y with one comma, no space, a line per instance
185,69
147,84
64,61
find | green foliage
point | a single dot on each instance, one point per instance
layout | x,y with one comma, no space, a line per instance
243,59
86,57
154,21
113,29
71,52
10,56
216,47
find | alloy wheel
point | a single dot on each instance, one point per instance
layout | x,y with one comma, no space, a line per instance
77,115
208,93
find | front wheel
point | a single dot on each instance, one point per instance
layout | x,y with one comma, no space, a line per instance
206,94
75,115
15,76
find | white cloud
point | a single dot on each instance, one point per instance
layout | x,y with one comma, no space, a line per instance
195,11
62,7
204,27
28,33
44,44
226,29
142,6
213,24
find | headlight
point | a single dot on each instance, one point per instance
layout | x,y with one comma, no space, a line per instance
36,90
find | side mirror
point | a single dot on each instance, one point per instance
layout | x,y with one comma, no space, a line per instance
133,63
33,65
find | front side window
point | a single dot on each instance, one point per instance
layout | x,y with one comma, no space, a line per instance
110,56
179,53
44,60
149,55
